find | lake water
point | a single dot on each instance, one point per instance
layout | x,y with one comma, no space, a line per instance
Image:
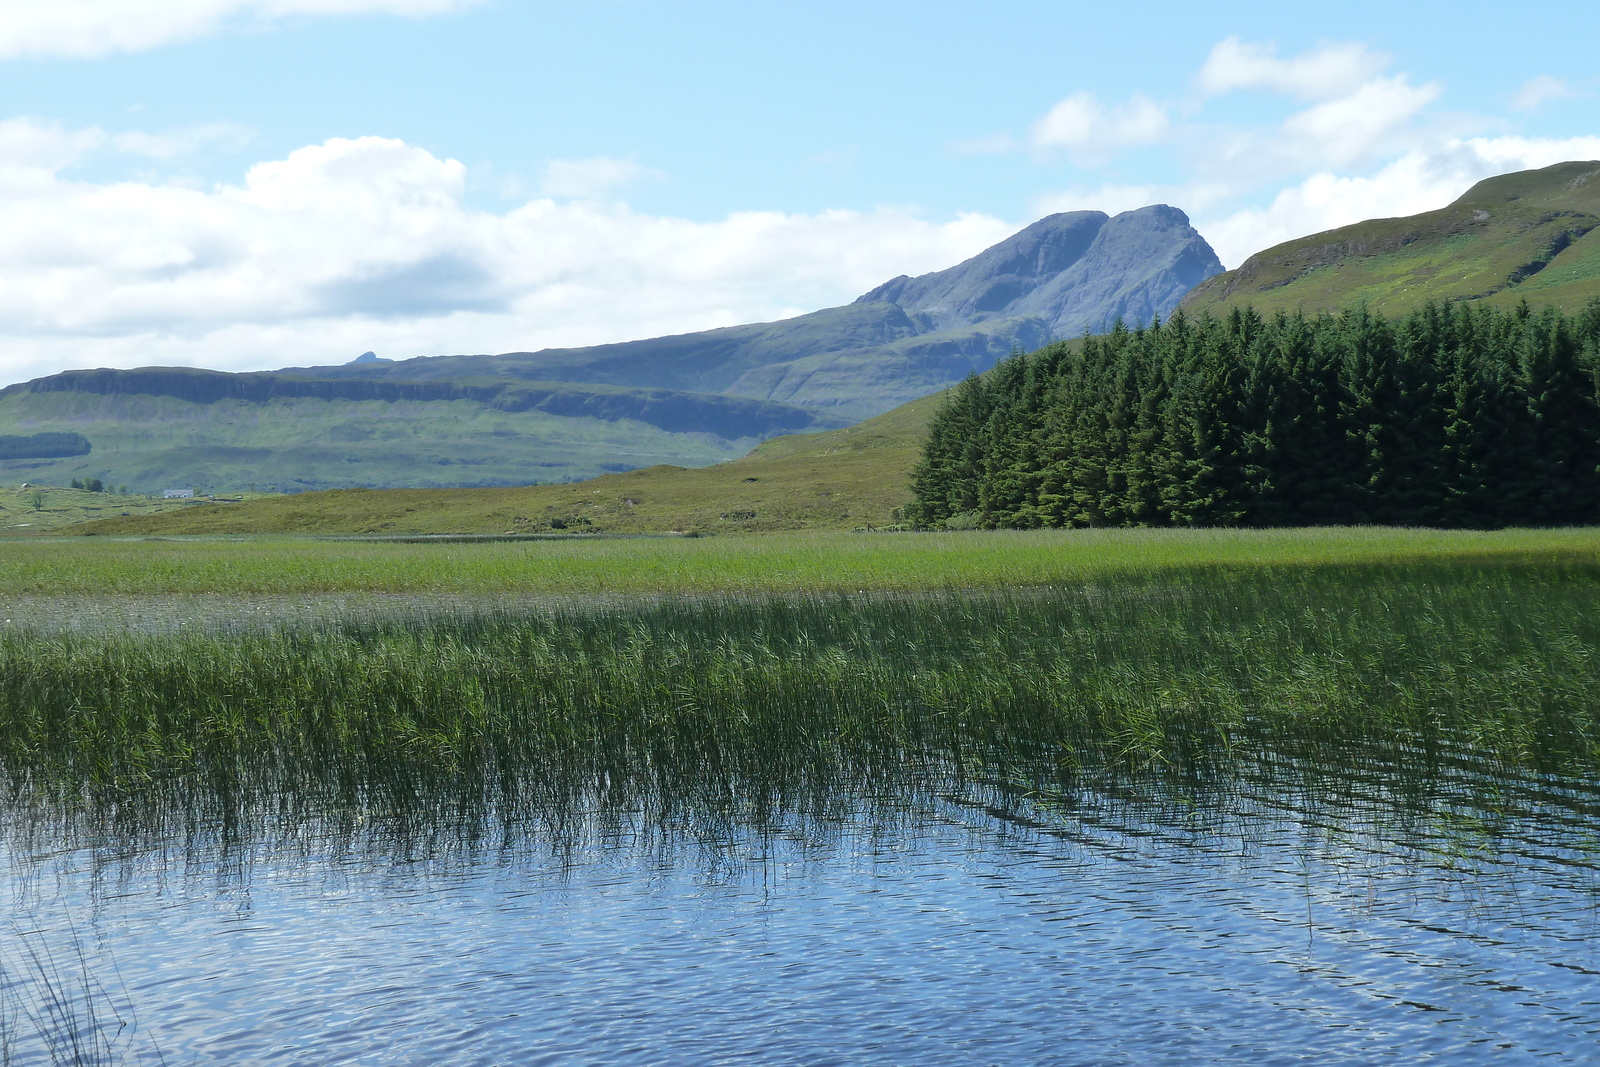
1363,918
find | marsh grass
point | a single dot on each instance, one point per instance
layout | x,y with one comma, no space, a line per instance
1429,690
732,706
783,563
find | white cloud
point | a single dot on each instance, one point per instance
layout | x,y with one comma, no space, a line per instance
32,145
1348,129
88,28
1113,198
367,244
1536,91
1423,179
43,148
591,178
1328,70
183,142
1361,148
1093,132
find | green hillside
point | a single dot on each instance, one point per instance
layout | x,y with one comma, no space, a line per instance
1531,235
39,508
151,430
840,479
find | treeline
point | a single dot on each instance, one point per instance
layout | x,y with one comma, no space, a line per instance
1455,415
43,445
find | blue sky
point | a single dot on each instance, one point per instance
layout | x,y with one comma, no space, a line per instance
259,183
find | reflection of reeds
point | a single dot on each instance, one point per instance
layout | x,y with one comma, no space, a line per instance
53,1000
749,703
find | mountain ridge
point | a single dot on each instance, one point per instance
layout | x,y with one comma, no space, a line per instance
1072,270
567,414
1062,276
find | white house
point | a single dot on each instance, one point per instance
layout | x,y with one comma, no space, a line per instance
176,494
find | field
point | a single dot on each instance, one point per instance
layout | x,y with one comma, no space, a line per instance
805,562
47,508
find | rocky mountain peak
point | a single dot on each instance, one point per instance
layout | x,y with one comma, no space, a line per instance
1077,271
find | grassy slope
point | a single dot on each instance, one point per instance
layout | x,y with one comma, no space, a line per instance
835,480
1478,248
60,507
151,443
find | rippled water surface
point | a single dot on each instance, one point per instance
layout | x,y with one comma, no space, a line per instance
1274,925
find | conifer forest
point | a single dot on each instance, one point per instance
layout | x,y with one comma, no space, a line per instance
1455,415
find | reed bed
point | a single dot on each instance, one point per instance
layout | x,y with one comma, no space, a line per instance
1179,675
728,703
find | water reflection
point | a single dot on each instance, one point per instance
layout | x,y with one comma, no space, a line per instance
1306,818
1393,912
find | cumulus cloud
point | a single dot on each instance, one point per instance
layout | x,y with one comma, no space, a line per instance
1093,132
88,28
1540,90
1356,143
1327,70
1348,129
367,243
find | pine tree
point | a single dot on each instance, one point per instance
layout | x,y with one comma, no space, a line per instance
946,480
1563,419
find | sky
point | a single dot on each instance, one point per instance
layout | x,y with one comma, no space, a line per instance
251,184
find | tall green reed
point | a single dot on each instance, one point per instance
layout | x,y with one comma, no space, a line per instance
753,703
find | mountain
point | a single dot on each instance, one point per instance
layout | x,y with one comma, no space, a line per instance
1077,273
1531,235
565,414
1063,276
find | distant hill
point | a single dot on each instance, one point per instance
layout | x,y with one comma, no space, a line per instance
839,479
566,414
1531,235
160,428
